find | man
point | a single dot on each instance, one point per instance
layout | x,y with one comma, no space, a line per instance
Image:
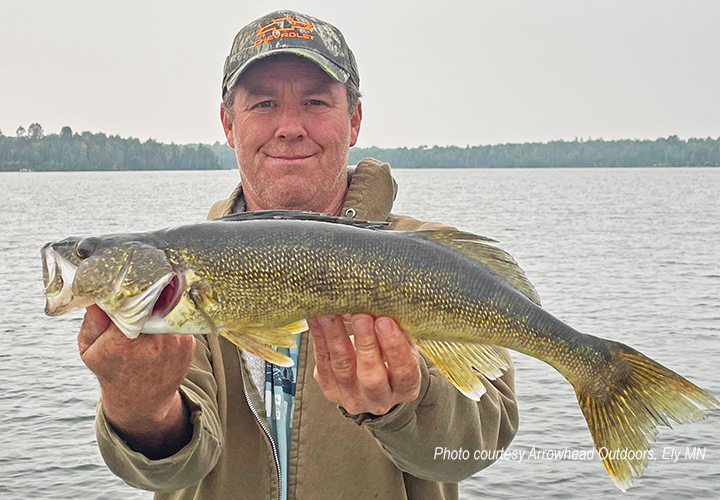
184,416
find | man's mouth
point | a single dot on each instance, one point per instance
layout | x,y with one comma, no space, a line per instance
289,157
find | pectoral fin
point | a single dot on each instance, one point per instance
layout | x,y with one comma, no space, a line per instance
259,339
257,347
464,363
281,336
293,328
254,338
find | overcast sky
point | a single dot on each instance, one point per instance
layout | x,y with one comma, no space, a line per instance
432,72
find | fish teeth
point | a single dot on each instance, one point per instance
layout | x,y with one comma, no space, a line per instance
64,301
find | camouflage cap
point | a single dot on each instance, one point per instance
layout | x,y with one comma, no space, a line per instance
289,32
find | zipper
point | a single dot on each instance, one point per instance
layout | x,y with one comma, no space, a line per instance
262,424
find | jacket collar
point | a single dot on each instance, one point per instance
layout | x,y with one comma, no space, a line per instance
370,195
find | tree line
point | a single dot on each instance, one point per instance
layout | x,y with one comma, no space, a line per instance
663,152
31,149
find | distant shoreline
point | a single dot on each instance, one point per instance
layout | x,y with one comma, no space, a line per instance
33,151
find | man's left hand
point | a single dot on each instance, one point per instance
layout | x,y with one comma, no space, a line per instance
377,371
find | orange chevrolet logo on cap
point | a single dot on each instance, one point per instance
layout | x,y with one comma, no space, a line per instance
280,25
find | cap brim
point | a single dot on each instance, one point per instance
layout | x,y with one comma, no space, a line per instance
336,72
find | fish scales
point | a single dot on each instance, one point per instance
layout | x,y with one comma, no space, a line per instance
433,293
253,278
298,271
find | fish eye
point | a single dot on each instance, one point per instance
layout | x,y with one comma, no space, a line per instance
86,247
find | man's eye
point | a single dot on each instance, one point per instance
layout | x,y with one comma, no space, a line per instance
316,102
263,104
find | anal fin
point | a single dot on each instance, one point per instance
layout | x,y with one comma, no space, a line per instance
463,363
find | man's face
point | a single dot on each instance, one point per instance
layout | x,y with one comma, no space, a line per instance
291,132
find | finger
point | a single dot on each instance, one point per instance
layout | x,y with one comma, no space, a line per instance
340,348
323,370
183,347
151,346
94,324
371,371
187,345
366,342
402,363
342,358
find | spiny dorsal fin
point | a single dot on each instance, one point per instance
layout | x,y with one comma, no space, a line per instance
463,362
476,247
299,215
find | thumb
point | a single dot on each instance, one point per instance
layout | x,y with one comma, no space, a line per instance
94,324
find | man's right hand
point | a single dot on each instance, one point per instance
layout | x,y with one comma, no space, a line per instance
139,381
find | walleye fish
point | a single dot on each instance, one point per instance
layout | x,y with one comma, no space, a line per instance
254,277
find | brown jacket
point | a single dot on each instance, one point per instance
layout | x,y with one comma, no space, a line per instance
332,455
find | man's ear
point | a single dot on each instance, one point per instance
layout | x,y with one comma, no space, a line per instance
227,125
355,120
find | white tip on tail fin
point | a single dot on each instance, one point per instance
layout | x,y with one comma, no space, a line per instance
639,395
465,364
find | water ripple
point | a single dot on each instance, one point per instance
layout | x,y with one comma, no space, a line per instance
626,254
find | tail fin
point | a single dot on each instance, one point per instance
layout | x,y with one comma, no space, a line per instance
625,415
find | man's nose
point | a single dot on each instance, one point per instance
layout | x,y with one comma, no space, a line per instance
290,126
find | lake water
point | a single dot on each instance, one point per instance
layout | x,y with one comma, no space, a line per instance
627,254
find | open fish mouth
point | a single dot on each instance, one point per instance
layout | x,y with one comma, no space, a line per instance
251,278
156,301
130,313
168,297
58,277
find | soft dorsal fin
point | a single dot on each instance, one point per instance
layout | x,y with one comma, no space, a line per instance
477,247
300,215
